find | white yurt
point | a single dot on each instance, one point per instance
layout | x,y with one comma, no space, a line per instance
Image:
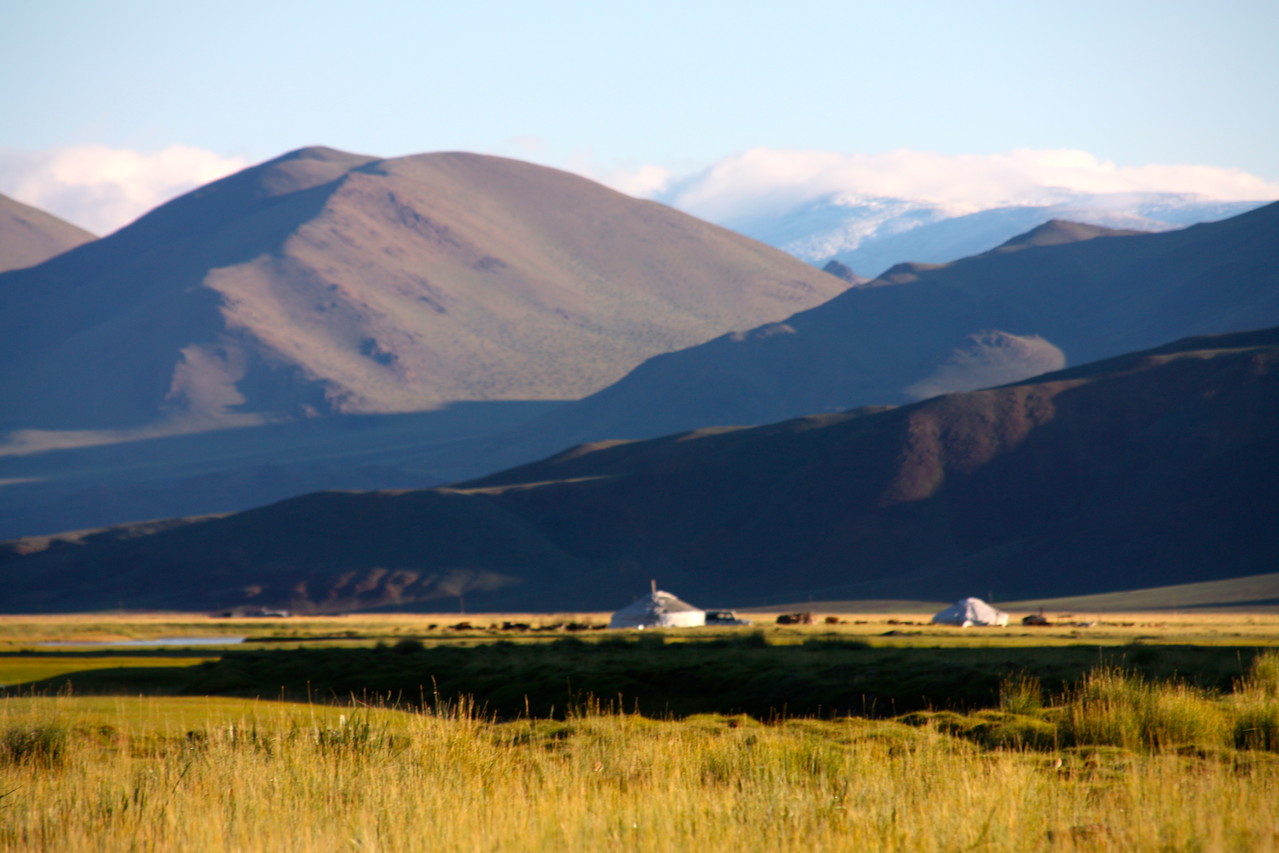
971,611
658,609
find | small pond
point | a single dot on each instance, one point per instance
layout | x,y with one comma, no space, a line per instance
153,642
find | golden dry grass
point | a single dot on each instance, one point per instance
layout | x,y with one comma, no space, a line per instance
261,776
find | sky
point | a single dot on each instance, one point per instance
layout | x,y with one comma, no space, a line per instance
108,108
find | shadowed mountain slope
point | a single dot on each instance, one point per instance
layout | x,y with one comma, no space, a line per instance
29,236
1057,232
331,283
1148,469
1062,294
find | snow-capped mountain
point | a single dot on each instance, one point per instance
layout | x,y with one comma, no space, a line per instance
871,211
870,234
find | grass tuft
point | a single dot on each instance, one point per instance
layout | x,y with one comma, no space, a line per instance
1256,705
1021,693
1113,707
1262,680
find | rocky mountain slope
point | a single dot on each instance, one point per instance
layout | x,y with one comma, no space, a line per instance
1148,469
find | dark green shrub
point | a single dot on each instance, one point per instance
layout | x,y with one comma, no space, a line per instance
408,646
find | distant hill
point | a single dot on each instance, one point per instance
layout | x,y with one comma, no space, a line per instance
1063,293
845,272
1149,469
29,236
1058,232
1252,593
324,283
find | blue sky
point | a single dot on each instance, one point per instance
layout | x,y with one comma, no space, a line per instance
609,89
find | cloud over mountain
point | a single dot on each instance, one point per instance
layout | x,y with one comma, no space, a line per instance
101,188
766,181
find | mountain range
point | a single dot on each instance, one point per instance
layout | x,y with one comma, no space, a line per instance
330,321
1153,468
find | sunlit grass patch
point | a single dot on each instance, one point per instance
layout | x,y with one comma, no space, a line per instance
18,670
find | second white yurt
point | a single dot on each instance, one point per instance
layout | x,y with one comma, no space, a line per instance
658,609
968,612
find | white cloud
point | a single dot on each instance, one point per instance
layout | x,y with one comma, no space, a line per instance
643,182
529,145
648,180
102,189
765,181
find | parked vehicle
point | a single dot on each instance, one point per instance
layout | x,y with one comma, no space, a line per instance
724,617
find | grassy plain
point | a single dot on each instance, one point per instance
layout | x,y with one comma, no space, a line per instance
1157,732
